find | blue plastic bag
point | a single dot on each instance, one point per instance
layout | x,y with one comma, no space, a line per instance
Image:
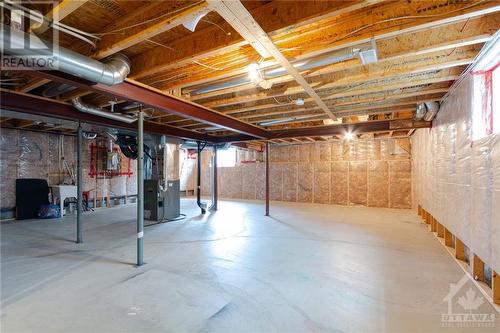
49,211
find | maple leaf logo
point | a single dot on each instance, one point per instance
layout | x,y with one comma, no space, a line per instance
470,301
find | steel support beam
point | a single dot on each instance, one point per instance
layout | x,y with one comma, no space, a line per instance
358,128
140,189
267,178
79,185
50,108
134,92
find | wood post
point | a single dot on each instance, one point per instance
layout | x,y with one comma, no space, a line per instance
434,225
448,238
428,217
478,268
459,249
419,210
440,229
495,286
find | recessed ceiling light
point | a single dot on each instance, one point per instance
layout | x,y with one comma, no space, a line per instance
299,101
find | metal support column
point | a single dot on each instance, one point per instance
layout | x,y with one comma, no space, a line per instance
198,178
140,188
267,178
79,185
215,189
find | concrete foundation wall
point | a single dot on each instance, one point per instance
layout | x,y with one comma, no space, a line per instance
375,173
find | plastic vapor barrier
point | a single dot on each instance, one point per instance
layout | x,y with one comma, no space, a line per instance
457,179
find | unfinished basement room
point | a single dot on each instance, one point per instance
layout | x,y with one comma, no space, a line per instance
250,166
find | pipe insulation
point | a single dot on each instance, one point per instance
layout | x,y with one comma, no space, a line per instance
110,72
87,108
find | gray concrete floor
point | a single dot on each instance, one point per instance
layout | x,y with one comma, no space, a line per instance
308,268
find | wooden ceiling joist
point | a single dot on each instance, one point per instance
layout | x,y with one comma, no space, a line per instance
243,22
113,43
448,37
422,47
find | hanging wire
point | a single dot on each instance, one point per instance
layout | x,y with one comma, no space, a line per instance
121,30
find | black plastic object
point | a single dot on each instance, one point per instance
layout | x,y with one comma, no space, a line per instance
30,195
128,146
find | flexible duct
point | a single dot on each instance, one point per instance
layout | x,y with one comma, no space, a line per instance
83,107
426,111
432,110
420,111
113,71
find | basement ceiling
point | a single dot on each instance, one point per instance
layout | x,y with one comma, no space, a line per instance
421,48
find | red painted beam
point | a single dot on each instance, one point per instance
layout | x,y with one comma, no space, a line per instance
49,108
356,128
137,93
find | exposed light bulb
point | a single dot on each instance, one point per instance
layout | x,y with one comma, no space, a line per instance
299,101
349,136
254,73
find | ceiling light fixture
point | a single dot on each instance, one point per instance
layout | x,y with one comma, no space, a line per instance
299,101
349,136
254,73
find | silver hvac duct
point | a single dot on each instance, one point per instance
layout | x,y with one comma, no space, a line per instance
113,71
426,111
420,111
83,107
322,60
432,110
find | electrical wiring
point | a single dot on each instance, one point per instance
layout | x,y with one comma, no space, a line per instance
405,17
120,30
162,45
40,19
207,66
217,25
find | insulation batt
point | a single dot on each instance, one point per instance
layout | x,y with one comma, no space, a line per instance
457,179
374,173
